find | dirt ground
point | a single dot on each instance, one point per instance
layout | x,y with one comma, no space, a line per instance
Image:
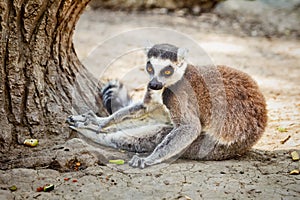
274,62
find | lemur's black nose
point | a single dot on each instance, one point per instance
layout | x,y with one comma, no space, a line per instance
154,84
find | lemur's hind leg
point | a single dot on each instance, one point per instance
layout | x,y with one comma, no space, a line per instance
202,148
137,139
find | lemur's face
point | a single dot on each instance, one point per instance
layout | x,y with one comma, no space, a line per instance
164,72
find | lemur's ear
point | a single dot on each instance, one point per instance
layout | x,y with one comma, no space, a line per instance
148,46
182,53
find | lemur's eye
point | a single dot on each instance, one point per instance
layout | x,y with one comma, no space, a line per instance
167,71
149,68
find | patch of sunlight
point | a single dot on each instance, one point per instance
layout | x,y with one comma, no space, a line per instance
295,52
274,83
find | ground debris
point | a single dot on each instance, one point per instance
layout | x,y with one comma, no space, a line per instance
184,197
13,188
282,129
295,156
117,162
31,142
285,139
295,172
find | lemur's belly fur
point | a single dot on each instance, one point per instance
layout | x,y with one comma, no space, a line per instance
154,115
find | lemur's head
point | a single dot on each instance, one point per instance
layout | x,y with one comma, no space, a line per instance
166,65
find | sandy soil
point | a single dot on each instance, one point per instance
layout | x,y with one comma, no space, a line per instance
262,174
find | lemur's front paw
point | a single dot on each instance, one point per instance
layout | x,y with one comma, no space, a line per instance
140,162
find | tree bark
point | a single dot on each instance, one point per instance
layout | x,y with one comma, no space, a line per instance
40,74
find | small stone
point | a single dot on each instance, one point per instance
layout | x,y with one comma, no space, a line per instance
157,175
295,172
48,188
295,156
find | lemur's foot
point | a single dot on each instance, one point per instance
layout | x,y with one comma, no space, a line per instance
138,162
82,120
101,122
86,119
77,120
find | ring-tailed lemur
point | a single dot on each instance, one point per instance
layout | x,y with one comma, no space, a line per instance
179,93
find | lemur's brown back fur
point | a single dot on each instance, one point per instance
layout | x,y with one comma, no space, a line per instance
244,121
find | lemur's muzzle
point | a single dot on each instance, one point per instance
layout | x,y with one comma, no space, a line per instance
154,84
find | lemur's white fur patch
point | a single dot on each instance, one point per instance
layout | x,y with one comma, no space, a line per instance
158,64
156,96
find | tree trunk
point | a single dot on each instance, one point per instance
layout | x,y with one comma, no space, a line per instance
40,74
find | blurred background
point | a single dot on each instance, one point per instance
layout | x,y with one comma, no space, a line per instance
259,37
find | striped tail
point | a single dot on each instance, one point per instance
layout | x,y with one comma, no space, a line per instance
115,96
